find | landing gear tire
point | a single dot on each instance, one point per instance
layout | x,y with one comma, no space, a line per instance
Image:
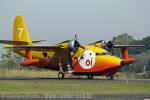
61,75
110,77
90,76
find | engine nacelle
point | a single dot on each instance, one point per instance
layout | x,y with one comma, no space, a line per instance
73,45
107,45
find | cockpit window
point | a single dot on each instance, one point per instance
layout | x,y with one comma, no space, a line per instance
98,54
103,53
107,53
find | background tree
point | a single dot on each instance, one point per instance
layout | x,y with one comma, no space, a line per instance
124,38
142,55
10,59
148,66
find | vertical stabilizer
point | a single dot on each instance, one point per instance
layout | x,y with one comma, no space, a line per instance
20,32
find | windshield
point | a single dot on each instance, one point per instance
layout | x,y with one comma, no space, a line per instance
103,53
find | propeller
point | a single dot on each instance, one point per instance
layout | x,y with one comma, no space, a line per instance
73,45
76,39
114,38
108,45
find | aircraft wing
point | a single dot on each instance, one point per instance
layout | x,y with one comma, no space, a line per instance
35,47
13,42
123,46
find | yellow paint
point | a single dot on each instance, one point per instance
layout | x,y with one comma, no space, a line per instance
99,44
20,32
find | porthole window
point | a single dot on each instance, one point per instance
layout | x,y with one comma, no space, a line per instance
75,57
44,54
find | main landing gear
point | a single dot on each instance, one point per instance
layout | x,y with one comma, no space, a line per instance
110,77
61,75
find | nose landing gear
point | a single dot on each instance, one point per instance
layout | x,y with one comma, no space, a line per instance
90,76
110,77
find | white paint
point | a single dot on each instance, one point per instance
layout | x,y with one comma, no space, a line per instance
21,29
88,60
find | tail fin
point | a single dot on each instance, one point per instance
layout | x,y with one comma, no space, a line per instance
20,32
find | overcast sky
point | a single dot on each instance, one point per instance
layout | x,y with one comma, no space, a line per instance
57,20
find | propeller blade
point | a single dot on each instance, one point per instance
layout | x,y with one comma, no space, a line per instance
114,38
82,47
76,36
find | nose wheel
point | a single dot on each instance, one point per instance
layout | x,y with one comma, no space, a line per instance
90,76
110,77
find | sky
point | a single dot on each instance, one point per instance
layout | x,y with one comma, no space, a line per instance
94,20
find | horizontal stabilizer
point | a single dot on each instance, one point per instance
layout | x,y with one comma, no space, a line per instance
13,42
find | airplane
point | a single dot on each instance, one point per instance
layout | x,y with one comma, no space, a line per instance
88,60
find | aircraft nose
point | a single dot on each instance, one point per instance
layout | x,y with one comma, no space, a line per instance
114,61
122,63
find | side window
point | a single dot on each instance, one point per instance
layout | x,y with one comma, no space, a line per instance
97,54
107,53
75,57
103,53
44,54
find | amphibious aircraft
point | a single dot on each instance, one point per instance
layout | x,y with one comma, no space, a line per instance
90,60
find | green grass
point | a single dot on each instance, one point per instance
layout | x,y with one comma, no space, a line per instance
65,86
71,87
25,72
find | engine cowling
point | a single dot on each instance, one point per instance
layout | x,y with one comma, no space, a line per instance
108,45
73,45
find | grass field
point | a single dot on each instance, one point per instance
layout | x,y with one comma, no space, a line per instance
27,72
5,72
71,87
64,86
